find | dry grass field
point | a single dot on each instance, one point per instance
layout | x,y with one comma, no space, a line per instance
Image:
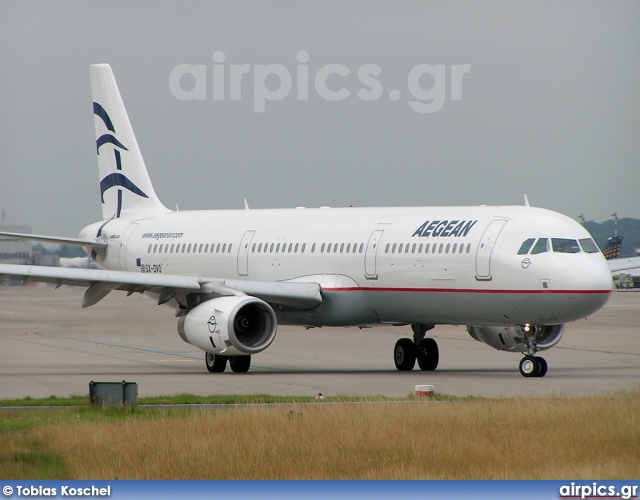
564,438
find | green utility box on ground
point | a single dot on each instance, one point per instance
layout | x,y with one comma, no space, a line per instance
113,393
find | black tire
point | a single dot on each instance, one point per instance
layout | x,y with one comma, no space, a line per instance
240,364
530,366
215,363
404,354
428,355
543,367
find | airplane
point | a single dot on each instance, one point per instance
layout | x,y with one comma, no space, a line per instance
627,268
626,271
513,274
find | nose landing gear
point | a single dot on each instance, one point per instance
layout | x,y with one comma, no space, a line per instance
532,365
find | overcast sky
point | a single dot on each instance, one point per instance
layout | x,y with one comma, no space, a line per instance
550,105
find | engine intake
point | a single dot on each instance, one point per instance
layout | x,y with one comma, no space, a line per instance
512,338
231,326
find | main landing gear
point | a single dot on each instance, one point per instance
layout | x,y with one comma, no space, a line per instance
532,365
216,363
421,349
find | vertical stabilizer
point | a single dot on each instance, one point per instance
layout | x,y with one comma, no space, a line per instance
612,250
125,186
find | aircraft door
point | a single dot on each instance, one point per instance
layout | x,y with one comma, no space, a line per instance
485,249
124,239
370,271
243,253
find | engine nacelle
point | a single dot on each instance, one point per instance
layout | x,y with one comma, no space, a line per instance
232,326
512,338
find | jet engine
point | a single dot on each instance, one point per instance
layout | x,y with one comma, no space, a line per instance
513,338
231,326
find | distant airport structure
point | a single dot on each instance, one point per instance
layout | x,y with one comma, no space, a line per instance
13,250
19,251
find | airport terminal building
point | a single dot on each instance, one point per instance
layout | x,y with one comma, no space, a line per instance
12,250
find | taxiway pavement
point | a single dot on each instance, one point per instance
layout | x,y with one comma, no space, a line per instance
50,346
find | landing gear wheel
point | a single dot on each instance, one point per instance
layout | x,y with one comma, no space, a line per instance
215,363
530,366
240,364
543,367
404,354
428,354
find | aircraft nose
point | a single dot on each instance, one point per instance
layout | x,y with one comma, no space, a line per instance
597,283
600,276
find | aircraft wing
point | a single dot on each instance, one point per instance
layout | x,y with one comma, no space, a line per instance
55,239
619,265
100,282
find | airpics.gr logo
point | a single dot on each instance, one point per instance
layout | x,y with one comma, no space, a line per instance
115,178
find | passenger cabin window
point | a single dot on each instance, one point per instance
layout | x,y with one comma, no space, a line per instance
541,246
562,245
526,246
589,246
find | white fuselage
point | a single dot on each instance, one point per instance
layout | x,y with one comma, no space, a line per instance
431,265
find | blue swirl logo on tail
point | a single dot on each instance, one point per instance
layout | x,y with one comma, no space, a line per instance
116,178
108,138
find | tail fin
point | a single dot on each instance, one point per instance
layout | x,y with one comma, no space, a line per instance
120,162
612,250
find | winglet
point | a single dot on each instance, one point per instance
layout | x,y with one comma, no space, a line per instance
526,200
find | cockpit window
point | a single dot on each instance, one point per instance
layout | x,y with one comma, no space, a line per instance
541,246
563,245
589,246
526,246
